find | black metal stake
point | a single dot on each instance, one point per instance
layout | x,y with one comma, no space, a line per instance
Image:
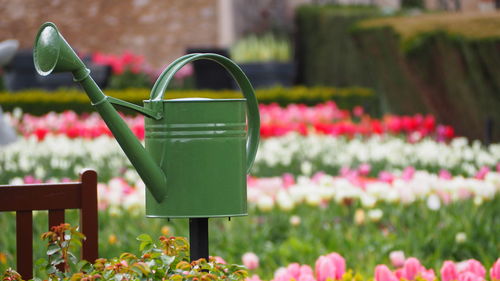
198,238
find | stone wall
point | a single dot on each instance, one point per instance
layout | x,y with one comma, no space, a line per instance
160,30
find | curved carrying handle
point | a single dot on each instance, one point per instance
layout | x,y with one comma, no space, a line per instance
252,106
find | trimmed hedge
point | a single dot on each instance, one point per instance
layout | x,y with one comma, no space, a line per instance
326,52
443,64
40,102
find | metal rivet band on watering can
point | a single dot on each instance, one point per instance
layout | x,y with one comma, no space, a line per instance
251,101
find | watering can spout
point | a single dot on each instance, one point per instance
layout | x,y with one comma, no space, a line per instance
52,54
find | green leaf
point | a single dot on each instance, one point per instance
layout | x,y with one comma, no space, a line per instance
72,258
84,266
78,235
141,267
146,246
167,260
57,261
127,256
41,262
144,238
50,269
52,249
76,242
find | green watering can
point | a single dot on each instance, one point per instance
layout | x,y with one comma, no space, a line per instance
197,151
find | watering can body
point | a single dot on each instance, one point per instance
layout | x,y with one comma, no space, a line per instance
201,145
197,151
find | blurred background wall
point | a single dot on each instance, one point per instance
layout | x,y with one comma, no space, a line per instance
163,30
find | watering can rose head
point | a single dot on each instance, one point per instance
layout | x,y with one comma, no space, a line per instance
197,151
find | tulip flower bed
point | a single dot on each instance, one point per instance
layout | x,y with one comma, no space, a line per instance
364,236
297,220
331,190
59,156
324,118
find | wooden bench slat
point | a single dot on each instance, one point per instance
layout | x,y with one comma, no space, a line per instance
89,217
24,198
24,243
56,217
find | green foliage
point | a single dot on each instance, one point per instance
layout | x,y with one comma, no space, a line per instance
415,229
2,83
327,53
412,4
442,64
264,48
168,260
471,26
40,102
129,79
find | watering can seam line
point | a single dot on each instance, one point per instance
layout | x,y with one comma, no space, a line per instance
100,102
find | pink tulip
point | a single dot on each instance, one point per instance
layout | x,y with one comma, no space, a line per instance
306,270
399,273
411,268
288,180
449,271
408,173
476,267
428,275
397,258
469,276
219,259
444,174
306,277
481,174
386,176
325,269
294,270
383,273
495,270
250,260
331,265
29,179
364,169
282,274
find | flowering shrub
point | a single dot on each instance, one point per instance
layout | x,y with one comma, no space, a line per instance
129,70
167,261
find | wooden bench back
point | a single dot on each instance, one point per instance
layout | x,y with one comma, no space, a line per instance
24,199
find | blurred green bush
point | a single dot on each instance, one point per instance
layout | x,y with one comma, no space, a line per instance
40,102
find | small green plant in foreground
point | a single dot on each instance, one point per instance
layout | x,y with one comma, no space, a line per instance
168,260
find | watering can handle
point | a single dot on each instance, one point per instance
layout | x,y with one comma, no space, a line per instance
252,106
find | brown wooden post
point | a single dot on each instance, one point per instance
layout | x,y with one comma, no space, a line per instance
56,217
89,219
24,243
